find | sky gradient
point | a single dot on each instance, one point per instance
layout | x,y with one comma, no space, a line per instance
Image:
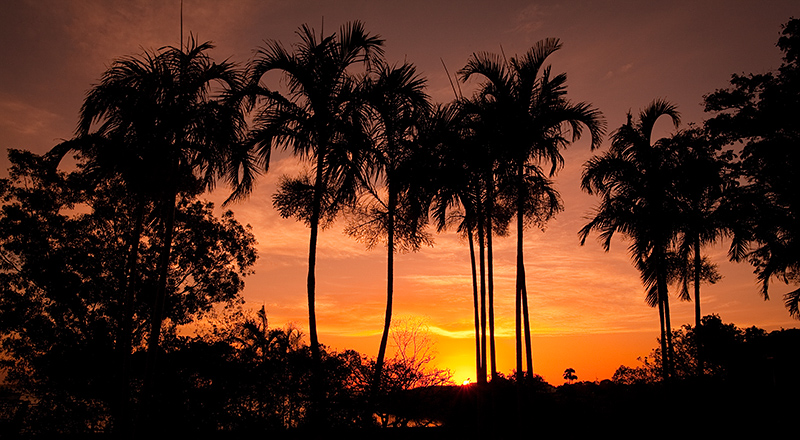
587,306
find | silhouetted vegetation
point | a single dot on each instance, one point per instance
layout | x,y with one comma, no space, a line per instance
530,120
759,112
120,289
730,354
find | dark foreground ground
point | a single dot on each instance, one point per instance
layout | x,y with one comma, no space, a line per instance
687,409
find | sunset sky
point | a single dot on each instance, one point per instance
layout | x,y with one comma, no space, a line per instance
587,306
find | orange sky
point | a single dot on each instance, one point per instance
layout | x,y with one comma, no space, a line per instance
587,306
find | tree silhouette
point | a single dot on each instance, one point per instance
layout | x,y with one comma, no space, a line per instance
63,242
320,118
760,112
395,103
705,181
569,375
169,123
453,194
636,181
492,216
535,118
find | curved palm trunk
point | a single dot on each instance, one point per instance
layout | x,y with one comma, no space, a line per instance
522,291
670,349
664,362
315,413
527,327
663,310
312,257
376,380
520,286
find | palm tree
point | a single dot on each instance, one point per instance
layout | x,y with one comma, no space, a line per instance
569,375
636,181
458,196
396,101
169,123
452,190
490,217
704,178
319,117
534,117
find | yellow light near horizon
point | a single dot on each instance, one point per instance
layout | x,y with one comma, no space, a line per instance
466,382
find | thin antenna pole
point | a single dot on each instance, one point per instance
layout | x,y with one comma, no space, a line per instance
181,45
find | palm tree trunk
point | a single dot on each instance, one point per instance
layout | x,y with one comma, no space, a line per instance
482,259
664,361
670,349
527,324
522,291
315,413
490,267
520,274
478,358
312,257
698,261
666,328
376,380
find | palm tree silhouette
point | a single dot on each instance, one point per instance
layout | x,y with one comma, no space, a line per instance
396,101
320,118
534,117
454,194
491,216
169,123
636,181
704,176
569,375
706,184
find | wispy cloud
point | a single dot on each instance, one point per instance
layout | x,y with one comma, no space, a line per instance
24,118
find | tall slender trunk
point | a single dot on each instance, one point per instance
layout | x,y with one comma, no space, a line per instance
698,261
478,357
527,327
670,348
316,207
664,360
316,412
376,380
520,273
482,260
666,328
490,269
698,264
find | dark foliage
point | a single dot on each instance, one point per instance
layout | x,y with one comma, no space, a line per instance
759,112
64,244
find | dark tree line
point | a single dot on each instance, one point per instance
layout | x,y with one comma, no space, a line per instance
102,264
733,177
